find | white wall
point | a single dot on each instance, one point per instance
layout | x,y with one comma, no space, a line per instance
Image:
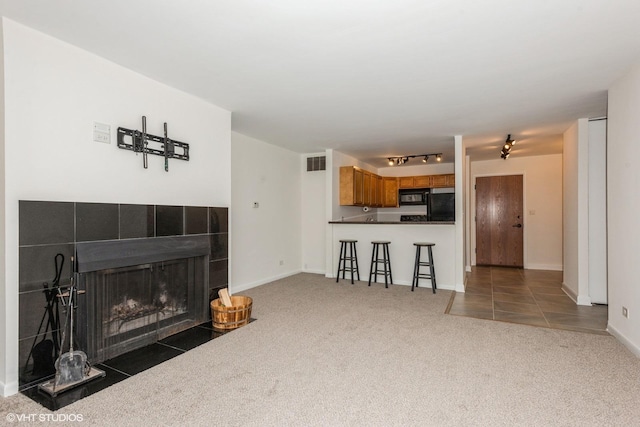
263,237
53,93
7,336
598,211
576,211
623,205
430,168
542,177
313,218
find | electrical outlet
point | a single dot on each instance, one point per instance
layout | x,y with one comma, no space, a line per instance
625,312
281,262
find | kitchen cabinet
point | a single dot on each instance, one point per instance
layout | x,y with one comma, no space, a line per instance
422,181
359,187
366,188
389,192
439,181
379,190
405,182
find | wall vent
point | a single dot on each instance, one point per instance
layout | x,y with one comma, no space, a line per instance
316,163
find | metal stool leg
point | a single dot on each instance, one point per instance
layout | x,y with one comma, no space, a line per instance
416,269
373,263
385,261
356,256
432,271
351,259
388,256
339,261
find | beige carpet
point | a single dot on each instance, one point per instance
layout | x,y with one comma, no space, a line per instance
327,354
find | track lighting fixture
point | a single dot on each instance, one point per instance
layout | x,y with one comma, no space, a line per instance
506,148
404,159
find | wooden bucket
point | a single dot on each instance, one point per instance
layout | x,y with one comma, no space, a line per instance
225,318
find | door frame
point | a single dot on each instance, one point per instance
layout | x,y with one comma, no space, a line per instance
472,213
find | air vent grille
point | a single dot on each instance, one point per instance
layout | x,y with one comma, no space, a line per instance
316,163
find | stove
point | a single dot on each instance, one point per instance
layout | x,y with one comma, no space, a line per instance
413,218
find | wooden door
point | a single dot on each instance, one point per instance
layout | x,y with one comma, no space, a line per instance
499,225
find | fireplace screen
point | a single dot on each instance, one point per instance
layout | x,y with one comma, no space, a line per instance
132,306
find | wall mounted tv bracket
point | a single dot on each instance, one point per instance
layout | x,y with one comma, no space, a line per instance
145,143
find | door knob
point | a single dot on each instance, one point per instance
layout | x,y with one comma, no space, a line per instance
517,225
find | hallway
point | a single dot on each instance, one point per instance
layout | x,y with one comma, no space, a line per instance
530,297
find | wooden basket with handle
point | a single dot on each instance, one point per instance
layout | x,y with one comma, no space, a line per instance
238,314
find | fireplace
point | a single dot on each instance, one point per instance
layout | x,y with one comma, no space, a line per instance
147,271
140,291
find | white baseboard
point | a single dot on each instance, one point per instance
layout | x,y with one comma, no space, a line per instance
579,300
552,267
243,287
312,271
624,340
9,389
569,293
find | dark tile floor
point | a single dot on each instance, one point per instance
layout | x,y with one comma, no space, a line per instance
129,364
530,297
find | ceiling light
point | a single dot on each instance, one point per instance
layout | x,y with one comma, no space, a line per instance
506,148
404,159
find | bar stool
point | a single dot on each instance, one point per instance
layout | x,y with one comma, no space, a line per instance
386,263
351,257
416,268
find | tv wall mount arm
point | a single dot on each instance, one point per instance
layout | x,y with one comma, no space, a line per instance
145,143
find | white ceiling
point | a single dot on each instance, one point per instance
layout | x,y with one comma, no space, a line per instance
370,78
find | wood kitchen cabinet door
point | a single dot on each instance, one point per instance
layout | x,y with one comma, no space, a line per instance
422,181
366,188
405,182
358,187
390,192
379,191
438,181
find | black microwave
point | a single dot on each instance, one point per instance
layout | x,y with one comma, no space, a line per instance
413,197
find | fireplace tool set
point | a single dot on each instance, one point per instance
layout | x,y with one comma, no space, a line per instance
47,349
141,143
72,367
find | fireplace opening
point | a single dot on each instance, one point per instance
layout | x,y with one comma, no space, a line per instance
130,306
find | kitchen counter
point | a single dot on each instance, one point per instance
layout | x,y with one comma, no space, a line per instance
395,222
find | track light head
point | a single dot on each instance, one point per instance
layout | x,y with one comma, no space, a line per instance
424,159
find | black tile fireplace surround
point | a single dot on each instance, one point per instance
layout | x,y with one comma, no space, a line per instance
47,228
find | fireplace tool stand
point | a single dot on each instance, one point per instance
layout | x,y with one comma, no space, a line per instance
72,367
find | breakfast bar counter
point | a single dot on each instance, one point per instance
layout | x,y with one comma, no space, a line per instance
402,236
